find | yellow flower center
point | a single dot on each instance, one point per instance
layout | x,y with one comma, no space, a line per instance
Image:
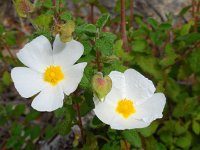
53,75
125,108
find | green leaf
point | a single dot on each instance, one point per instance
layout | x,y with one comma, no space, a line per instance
91,142
180,128
102,20
87,47
6,78
64,126
66,16
185,29
111,146
194,61
32,115
47,3
87,76
196,127
165,26
96,123
2,29
10,38
160,146
185,107
132,137
119,51
139,45
166,137
184,11
156,37
173,89
43,21
169,56
141,23
12,141
189,38
19,110
16,129
105,43
49,132
148,131
149,65
152,22
33,132
86,28
184,141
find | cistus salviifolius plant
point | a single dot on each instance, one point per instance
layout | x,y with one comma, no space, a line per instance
96,81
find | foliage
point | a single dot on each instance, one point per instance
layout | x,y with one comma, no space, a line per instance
167,54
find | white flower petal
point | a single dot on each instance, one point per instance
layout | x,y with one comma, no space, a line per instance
118,87
152,108
26,81
105,111
119,123
66,54
138,87
37,54
73,76
49,99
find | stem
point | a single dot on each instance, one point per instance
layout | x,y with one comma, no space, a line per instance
194,15
102,137
10,53
123,26
54,3
131,12
80,122
126,144
98,55
92,13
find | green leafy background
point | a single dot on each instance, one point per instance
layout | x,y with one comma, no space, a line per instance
167,54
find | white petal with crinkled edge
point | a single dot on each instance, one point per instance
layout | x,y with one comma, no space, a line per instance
120,123
49,99
66,54
105,111
73,76
118,87
37,54
151,109
26,81
138,87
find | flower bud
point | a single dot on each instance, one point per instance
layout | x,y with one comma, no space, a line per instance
101,85
23,7
66,31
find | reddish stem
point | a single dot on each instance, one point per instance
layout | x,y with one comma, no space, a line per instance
131,12
98,55
10,53
123,26
194,15
80,121
92,13
54,3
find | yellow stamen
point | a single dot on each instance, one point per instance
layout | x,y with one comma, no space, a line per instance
53,75
125,108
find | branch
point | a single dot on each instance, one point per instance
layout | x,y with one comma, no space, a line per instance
123,26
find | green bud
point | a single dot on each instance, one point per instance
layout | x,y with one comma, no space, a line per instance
66,31
101,85
23,7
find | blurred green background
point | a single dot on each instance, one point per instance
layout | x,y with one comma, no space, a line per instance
163,43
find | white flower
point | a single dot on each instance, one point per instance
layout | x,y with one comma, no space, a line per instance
131,103
50,72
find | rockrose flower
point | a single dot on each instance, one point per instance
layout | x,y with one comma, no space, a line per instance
51,73
131,103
